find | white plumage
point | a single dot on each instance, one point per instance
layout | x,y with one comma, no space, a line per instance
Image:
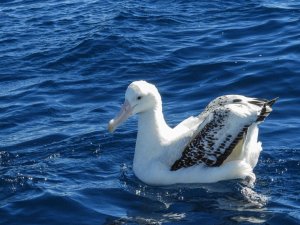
219,144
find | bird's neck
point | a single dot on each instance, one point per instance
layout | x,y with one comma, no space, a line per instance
152,127
153,134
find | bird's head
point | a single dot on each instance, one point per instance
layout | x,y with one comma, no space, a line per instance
140,97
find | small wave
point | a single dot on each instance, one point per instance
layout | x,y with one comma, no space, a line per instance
279,4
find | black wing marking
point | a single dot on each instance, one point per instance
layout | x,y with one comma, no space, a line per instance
217,139
215,142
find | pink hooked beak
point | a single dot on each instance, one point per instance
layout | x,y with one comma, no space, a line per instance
123,115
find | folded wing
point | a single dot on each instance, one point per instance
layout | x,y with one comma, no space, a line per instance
224,128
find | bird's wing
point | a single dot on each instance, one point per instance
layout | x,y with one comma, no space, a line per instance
219,134
190,123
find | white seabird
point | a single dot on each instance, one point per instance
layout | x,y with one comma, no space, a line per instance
219,144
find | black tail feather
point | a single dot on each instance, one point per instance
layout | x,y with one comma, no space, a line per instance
266,110
271,102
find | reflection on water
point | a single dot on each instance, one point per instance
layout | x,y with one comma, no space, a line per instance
240,201
249,219
144,220
251,206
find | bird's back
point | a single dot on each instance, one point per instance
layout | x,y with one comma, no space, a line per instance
225,131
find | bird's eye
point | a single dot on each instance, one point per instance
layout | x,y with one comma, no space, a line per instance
139,98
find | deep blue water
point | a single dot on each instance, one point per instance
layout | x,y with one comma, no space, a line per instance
64,68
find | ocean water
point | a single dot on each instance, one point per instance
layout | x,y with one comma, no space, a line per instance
64,68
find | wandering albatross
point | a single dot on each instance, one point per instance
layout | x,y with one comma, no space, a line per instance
219,144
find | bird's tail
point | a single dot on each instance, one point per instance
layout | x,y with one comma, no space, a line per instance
266,110
271,102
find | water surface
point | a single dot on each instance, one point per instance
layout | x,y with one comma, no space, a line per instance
65,66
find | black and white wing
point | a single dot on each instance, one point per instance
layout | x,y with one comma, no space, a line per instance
224,127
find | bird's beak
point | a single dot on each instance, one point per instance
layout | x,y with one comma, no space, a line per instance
123,115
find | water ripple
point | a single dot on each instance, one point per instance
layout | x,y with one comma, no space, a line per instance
64,69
